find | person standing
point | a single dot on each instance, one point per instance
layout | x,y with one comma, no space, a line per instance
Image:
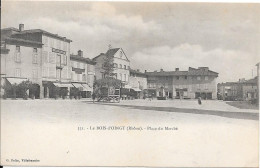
93,97
199,100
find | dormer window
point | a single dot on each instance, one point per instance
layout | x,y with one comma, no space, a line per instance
121,54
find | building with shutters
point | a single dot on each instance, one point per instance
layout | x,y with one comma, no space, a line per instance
121,64
82,73
37,55
178,84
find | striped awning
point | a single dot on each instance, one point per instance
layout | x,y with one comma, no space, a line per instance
63,85
16,80
86,87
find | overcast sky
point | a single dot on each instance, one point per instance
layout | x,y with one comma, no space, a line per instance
224,37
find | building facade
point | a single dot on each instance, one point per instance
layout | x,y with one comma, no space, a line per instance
121,64
82,73
241,90
20,60
189,84
37,55
138,82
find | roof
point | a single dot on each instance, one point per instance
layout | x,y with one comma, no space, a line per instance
44,32
137,72
82,59
111,53
192,72
22,42
251,81
10,28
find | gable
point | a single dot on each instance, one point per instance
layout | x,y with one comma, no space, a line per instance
120,54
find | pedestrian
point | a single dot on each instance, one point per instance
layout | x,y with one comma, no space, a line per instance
93,97
199,100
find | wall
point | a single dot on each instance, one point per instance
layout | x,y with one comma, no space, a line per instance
50,59
28,69
135,80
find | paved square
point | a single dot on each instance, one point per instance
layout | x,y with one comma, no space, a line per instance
211,134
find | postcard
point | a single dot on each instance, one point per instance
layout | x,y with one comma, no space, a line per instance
147,84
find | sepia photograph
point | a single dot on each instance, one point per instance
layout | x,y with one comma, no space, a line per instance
123,83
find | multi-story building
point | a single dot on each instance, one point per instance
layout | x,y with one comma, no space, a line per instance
40,56
193,83
82,73
121,64
138,82
241,90
20,59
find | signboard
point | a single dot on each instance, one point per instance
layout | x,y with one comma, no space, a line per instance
58,51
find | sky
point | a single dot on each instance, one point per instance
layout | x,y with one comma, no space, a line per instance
154,35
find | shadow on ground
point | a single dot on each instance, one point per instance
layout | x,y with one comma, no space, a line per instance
235,115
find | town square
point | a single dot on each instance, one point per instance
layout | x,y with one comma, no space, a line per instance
158,84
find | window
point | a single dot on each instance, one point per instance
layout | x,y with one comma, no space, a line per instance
17,57
17,48
120,66
125,66
185,77
78,65
35,58
125,77
45,40
17,72
177,77
52,71
34,73
198,78
51,57
58,60
115,65
58,73
51,42
34,50
206,78
72,75
84,77
120,76
65,46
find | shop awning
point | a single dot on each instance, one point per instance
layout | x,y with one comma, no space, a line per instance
16,80
63,85
137,89
86,87
77,85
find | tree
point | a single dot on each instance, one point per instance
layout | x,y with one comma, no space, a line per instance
108,66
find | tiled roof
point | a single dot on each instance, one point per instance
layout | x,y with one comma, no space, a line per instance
82,59
10,40
193,72
111,52
251,81
44,32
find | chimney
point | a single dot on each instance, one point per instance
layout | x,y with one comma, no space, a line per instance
242,80
21,27
80,53
176,69
161,70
